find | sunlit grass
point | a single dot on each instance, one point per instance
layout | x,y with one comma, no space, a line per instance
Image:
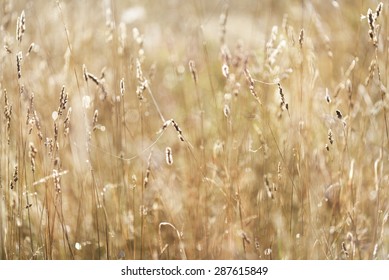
194,130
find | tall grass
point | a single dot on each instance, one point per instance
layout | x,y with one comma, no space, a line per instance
196,130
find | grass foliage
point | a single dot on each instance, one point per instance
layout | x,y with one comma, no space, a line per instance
194,130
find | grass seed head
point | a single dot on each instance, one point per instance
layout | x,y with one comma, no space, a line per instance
32,154
301,38
226,111
67,122
15,177
193,71
225,70
63,101
85,73
148,170
327,96
339,114
30,49
169,156
95,117
330,136
122,88
19,58
20,27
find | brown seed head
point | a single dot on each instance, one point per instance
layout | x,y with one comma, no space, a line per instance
169,156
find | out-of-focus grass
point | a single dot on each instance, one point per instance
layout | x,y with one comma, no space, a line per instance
284,154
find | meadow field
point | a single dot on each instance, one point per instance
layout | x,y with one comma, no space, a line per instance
194,130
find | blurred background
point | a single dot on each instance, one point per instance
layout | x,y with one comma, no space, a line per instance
275,113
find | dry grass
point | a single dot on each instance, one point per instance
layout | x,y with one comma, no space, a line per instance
203,130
